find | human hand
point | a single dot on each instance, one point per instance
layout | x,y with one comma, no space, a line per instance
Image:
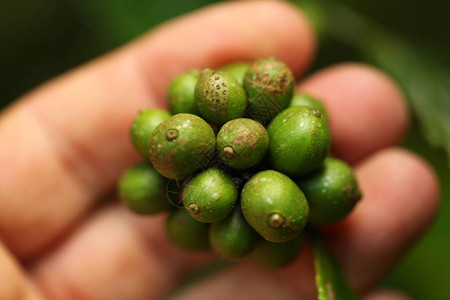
64,145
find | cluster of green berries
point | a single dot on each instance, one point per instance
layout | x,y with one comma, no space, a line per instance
241,163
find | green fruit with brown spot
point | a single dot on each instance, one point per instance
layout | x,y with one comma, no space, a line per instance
237,70
180,94
303,99
220,98
332,192
143,125
277,255
274,206
210,196
269,85
181,145
141,189
233,238
299,140
186,233
242,143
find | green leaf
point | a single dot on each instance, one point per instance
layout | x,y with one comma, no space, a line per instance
331,284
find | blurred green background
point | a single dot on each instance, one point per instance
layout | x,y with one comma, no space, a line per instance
40,39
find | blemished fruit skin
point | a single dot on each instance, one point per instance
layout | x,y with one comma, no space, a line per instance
187,233
237,70
269,85
274,206
233,238
180,95
277,255
210,196
303,99
181,145
242,143
220,98
299,140
332,192
141,189
143,125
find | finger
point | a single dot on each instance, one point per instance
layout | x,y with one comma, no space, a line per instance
115,255
367,111
259,283
14,285
64,145
400,201
386,295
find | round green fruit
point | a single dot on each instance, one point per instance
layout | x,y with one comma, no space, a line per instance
332,192
277,255
181,145
180,94
220,98
143,125
299,140
210,196
242,143
141,189
269,85
233,238
186,233
303,99
237,70
274,206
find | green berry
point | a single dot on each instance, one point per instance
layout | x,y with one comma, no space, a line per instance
181,145
274,206
237,70
143,125
185,232
332,192
141,189
180,95
303,99
299,140
210,196
220,98
242,143
277,255
269,85
233,238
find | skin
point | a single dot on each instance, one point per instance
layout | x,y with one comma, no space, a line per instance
82,163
